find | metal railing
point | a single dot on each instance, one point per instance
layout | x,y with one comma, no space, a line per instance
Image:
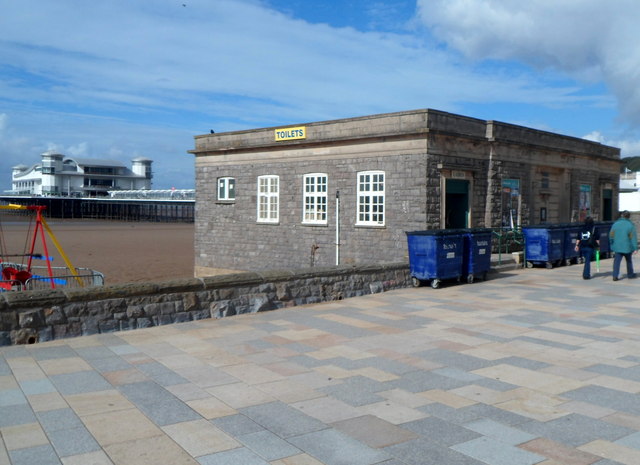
11,285
507,241
62,277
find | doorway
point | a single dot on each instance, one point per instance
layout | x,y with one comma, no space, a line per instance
456,204
607,204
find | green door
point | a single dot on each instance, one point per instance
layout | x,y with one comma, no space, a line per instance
456,204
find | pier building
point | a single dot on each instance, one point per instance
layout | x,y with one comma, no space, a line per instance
59,175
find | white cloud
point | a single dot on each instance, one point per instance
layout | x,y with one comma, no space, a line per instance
121,78
588,39
77,150
629,147
168,57
595,136
97,138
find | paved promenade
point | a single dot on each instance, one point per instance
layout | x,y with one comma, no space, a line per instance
534,366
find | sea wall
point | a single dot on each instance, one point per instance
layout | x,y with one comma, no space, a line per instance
36,316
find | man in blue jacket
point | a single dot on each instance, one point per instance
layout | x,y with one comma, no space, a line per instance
624,243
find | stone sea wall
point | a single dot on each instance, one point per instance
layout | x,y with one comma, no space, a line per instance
36,316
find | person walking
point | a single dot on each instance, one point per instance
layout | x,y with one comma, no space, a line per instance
624,243
587,243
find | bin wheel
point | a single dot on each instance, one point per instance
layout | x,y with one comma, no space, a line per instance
568,262
485,275
435,283
416,282
470,279
529,264
548,265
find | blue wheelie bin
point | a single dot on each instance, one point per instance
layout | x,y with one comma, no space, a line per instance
571,233
435,255
476,260
603,228
543,244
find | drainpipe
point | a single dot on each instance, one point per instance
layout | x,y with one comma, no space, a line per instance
337,228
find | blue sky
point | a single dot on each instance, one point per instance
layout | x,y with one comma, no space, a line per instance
125,78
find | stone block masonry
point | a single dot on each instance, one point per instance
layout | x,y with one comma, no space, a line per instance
435,170
34,316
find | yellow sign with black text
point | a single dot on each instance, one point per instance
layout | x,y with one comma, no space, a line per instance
299,132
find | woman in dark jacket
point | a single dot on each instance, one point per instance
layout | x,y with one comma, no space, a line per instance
587,243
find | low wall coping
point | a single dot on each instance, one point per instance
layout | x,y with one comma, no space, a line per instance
47,297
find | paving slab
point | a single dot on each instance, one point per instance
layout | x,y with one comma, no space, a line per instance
533,366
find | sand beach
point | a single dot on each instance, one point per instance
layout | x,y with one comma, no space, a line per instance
122,251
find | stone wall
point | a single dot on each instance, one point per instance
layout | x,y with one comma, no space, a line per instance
34,316
228,236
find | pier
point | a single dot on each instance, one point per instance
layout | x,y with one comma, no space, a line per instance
170,206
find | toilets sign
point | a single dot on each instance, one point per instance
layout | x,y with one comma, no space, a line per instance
299,132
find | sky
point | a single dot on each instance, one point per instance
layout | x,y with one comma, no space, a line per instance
119,79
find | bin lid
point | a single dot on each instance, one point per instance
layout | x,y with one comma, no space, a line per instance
570,225
542,226
434,232
480,230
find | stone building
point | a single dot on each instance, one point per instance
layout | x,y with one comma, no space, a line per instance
346,191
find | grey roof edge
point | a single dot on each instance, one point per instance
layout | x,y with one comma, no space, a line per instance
413,122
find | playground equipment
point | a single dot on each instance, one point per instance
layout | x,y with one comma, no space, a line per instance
19,276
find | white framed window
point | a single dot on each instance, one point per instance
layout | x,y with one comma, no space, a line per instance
226,189
268,199
370,198
314,208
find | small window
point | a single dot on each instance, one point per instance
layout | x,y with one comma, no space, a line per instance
268,199
371,198
544,180
226,189
315,199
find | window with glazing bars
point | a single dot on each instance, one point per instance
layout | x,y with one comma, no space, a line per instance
315,199
371,198
268,199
